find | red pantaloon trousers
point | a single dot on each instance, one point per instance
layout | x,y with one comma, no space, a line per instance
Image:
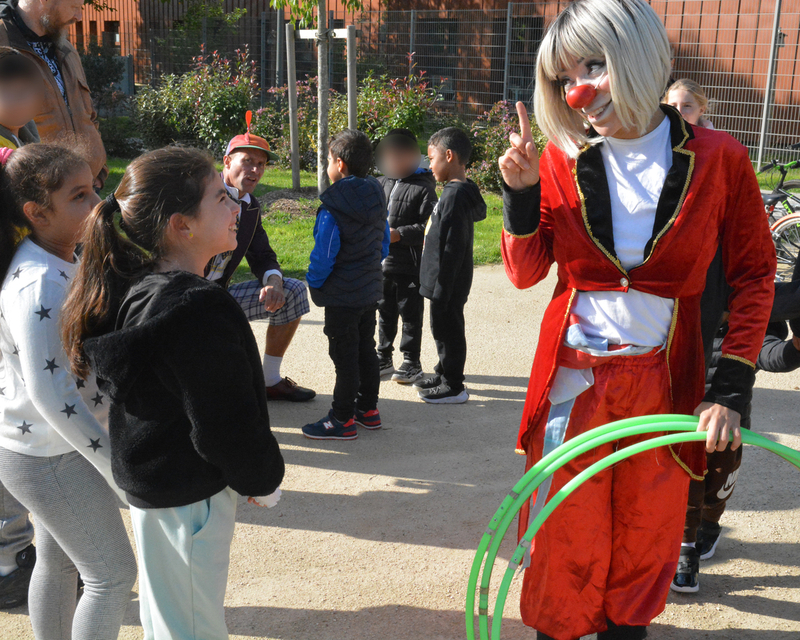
610,550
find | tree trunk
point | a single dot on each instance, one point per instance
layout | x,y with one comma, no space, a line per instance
323,93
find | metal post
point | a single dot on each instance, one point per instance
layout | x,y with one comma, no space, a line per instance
330,47
323,91
278,46
291,81
263,85
352,85
412,40
773,52
507,63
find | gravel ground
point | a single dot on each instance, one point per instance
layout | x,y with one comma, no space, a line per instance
373,538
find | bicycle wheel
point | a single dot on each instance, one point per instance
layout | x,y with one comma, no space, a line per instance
793,187
786,236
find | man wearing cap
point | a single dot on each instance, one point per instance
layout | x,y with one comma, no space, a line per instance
284,301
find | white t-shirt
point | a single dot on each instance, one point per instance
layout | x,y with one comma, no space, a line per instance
636,170
45,410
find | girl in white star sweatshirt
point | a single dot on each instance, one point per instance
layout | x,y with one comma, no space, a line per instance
54,448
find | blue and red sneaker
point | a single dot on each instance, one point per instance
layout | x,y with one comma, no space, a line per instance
329,428
368,419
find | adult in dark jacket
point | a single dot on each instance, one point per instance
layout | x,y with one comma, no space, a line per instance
351,238
410,192
188,417
447,264
780,353
37,28
283,301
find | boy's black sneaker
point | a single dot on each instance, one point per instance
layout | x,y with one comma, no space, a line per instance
428,383
386,365
707,539
14,586
687,578
443,394
408,372
368,419
329,428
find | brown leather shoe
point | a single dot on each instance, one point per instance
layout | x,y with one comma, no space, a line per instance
288,389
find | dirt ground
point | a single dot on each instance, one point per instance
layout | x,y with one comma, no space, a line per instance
373,538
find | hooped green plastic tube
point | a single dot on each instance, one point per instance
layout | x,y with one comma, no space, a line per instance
748,437
525,487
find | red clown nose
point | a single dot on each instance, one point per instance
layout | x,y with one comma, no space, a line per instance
581,96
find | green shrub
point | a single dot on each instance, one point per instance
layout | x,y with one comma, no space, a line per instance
490,134
205,106
104,70
120,137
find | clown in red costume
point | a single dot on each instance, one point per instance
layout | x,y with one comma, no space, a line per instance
631,203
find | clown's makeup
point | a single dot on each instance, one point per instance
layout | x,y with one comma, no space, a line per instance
599,112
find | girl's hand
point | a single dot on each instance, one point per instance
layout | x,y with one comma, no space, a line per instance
266,501
520,164
720,423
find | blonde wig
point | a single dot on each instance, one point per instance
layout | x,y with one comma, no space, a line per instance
631,39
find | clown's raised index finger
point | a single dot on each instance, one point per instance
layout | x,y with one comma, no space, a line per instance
524,122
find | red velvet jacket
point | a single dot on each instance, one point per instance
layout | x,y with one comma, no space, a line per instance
710,198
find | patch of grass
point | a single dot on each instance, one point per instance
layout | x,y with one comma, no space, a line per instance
290,232
769,179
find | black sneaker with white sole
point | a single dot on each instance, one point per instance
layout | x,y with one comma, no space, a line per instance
408,372
443,394
386,365
428,383
707,539
687,576
14,586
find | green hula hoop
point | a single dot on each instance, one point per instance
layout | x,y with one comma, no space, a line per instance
522,491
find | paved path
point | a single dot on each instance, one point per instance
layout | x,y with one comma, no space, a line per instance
373,538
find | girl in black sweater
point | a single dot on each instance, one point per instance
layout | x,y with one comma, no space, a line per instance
188,417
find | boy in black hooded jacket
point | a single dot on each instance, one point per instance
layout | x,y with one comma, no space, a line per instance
410,194
446,270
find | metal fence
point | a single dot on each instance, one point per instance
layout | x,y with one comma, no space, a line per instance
475,58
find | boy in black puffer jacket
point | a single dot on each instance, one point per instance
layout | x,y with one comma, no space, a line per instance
411,194
351,238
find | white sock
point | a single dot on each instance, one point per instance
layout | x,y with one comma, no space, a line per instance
7,569
688,544
272,370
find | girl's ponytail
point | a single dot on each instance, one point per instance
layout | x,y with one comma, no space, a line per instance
155,186
109,262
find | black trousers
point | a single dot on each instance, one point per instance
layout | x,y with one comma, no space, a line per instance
447,326
351,346
401,299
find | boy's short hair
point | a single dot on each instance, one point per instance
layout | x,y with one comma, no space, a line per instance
15,65
454,139
354,149
400,139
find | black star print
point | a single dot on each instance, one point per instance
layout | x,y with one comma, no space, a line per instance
51,365
69,409
16,273
2,391
43,313
26,427
80,382
15,352
63,275
95,444
98,399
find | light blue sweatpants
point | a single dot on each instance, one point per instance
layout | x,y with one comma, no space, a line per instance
184,553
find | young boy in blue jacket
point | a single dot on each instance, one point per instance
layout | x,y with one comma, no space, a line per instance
351,238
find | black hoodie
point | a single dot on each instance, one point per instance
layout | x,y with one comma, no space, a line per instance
188,414
446,269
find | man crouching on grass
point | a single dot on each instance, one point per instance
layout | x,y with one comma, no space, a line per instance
281,300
